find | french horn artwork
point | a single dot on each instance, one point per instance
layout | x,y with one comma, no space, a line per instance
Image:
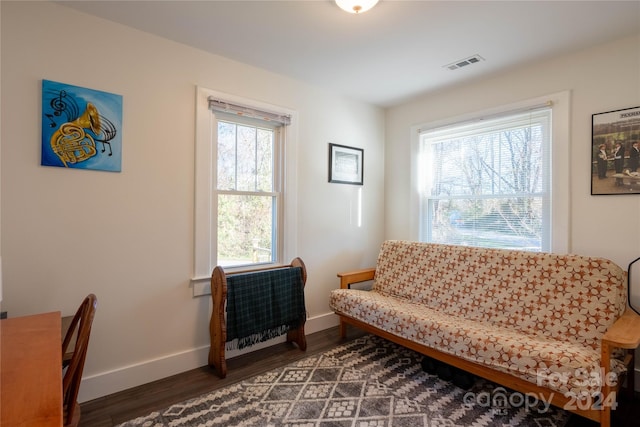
81,127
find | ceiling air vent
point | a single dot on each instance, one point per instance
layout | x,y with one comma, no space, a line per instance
464,62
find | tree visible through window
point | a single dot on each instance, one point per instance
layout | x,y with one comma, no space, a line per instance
487,183
242,149
247,191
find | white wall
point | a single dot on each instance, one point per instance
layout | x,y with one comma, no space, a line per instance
602,78
128,237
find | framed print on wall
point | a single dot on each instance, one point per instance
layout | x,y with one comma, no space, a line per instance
615,151
81,128
346,164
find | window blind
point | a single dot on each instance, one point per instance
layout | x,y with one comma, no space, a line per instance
481,121
246,111
486,182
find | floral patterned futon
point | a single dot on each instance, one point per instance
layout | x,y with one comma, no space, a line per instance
538,316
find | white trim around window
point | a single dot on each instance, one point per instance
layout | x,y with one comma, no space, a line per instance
204,209
560,163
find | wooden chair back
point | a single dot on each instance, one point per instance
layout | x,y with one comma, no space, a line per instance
80,327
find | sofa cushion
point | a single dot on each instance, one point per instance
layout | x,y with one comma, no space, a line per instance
568,298
563,366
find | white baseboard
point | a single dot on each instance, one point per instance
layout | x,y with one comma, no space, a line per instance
105,383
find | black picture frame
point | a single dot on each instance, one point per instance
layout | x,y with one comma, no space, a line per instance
615,147
346,164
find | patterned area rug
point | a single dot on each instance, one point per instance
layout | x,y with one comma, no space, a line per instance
369,382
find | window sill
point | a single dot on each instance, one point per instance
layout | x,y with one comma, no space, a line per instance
201,286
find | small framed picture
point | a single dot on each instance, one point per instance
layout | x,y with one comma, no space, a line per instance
346,164
615,152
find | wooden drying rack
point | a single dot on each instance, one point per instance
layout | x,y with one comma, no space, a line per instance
218,324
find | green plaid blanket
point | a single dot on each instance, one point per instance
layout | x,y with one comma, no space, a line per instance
263,305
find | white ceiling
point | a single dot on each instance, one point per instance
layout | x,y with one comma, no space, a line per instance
387,55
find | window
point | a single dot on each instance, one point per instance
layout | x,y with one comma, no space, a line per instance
487,182
247,191
245,185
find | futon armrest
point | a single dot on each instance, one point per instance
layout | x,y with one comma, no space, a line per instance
355,276
625,332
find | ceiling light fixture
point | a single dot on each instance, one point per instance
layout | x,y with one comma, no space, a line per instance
356,6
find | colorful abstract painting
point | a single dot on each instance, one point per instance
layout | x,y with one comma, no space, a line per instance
81,128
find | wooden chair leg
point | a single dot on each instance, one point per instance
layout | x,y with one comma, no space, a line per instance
631,375
343,329
605,360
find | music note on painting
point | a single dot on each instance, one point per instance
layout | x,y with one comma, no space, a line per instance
53,123
58,103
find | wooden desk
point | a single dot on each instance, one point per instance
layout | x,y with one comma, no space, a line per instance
31,371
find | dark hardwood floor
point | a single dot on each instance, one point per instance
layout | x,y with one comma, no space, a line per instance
114,409
119,407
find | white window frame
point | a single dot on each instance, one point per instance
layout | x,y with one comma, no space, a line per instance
275,193
205,206
559,163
